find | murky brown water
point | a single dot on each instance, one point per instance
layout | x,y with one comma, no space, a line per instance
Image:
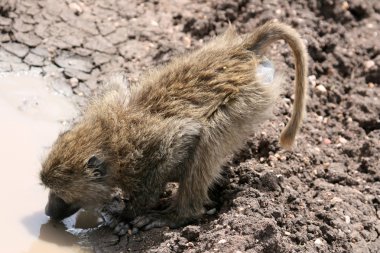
31,117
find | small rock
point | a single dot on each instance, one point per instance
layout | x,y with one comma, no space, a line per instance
345,6
16,48
76,8
347,219
321,88
287,233
335,200
318,242
326,141
74,82
312,80
342,140
368,64
211,211
223,241
191,232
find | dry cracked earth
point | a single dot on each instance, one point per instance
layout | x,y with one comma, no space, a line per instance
322,197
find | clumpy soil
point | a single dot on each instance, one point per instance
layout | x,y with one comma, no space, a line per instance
322,197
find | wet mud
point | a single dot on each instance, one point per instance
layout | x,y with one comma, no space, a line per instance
322,197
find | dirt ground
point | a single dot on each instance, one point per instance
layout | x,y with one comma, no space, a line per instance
322,197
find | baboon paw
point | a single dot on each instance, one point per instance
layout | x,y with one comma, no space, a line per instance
154,220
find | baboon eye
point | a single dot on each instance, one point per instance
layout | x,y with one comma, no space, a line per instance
94,162
97,166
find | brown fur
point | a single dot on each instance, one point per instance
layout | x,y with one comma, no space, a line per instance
178,124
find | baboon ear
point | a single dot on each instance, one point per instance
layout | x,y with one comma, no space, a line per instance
96,165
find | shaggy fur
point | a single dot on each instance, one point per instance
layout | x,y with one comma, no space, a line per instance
178,124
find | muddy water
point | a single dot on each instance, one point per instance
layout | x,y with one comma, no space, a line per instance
32,114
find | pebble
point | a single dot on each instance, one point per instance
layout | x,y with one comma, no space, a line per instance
342,140
76,8
335,200
74,82
326,141
318,242
223,241
347,219
211,211
312,80
368,64
345,6
321,88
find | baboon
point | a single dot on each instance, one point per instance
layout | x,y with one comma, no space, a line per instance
178,124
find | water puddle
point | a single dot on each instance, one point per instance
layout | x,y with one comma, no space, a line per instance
32,115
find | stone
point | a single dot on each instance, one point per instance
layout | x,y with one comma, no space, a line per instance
74,82
16,48
29,38
99,43
69,61
34,60
321,88
76,8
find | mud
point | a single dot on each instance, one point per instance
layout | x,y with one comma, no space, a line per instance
32,116
322,197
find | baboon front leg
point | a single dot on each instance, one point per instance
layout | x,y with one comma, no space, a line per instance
188,204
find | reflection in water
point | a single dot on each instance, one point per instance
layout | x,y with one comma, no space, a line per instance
31,118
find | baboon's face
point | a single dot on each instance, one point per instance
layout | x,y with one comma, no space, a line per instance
75,172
